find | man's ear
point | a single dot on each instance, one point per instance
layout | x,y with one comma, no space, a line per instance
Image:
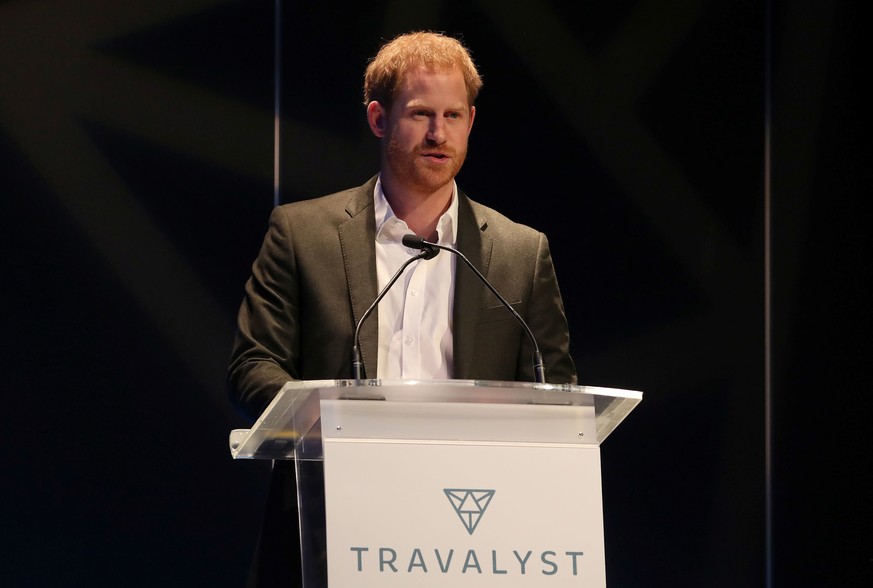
377,117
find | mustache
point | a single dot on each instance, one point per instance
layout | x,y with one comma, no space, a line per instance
394,147
427,150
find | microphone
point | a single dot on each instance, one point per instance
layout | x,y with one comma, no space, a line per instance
427,252
416,242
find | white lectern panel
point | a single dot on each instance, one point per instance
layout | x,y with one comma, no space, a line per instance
438,514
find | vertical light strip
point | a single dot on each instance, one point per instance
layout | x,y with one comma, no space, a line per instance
277,94
768,292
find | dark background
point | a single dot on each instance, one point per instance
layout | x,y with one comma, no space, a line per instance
668,148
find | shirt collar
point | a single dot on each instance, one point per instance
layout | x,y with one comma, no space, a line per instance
389,228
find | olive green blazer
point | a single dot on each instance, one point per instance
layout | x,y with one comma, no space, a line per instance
316,275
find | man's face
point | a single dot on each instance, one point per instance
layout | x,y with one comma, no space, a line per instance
425,133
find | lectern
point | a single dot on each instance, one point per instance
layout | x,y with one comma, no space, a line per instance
444,483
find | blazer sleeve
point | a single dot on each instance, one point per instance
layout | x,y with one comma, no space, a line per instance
266,349
548,322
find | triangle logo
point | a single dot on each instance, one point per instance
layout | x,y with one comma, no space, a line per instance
469,504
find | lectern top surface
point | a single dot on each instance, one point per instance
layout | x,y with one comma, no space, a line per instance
441,409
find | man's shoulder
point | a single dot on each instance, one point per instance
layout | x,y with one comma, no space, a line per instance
350,199
493,221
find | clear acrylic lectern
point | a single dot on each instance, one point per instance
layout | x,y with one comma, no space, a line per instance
443,483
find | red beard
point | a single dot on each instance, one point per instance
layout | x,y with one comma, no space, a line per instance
414,171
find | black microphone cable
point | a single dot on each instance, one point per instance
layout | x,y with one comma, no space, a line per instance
416,242
427,252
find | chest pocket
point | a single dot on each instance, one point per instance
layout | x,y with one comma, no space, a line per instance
498,313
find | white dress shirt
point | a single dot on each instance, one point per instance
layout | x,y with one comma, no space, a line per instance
415,317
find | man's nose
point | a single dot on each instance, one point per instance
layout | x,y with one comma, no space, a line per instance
436,132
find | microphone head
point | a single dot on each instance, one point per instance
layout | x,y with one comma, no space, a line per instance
413,241
416,242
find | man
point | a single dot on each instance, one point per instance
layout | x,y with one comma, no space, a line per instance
323,262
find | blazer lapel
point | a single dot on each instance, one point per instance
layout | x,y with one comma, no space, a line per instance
357,239
470,293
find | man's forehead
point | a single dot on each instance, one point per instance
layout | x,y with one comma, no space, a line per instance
425,102
418,82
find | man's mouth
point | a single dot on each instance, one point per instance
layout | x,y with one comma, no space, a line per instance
436,155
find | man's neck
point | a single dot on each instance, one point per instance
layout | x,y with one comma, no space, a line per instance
421,211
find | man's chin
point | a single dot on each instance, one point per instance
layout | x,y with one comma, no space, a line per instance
435,182
437,177
422,177
428,181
